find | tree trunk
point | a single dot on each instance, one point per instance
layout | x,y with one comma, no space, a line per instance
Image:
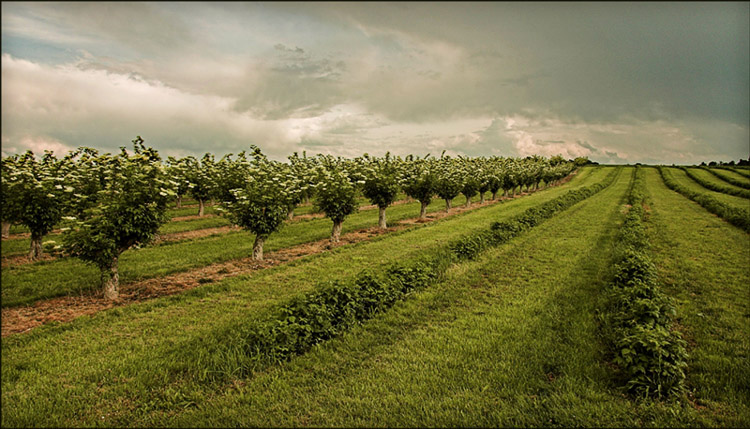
6,229
290,213
381,218
448,205
494,196
179,202
468,201
201,204
35,251
423,210
481,198
111,281
336,232
258,247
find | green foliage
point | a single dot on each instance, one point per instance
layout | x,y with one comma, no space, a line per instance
380,176
261,205
34,194
418,178
734,215
745,193
127,213
729,179
652,356
335,191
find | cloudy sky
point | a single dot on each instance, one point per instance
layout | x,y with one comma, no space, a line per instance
617,82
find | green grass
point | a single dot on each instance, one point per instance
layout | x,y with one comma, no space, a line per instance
718,184
28,283
704,263
682,178
136,355
735,177
479,349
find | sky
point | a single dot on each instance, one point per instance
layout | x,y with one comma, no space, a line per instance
655,83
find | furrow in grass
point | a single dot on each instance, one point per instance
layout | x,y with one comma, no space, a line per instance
507,340
705,265
132,344
28,283
682,178
734,177
705,178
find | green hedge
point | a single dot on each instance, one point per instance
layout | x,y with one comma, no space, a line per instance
293,327
744,193
651,355
734,215
730,179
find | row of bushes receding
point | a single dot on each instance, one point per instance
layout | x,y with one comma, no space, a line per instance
718,187
727,178
734,215
651,356
297,325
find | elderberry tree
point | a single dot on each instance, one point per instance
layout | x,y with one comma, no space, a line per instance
129,209
380,177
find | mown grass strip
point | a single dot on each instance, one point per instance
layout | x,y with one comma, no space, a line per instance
140,355
649,353
28,283
294,327
735,177
508,339
738,217
704,264
715,185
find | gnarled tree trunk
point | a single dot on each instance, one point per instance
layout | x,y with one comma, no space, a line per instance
201,205
448,204
481,198
468,201
423,210
111,281
258,247
381,218
290,213
35,251
336,232
6,229
494,195
179,202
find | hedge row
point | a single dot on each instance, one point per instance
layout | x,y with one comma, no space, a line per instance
650,355
471,246
295,326
734,215
729,179
744,193
742,171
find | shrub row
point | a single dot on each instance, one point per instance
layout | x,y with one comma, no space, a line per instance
729,179
470,246
650,355
744,193
295,326
734,215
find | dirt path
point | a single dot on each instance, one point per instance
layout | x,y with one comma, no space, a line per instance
66,308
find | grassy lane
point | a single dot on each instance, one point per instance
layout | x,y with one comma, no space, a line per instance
508,340
691,184
733,176
28,283
705,264
129,361
708,177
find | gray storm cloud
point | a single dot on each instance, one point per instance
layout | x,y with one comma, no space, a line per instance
618,82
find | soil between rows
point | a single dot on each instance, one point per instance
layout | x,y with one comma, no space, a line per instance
63,309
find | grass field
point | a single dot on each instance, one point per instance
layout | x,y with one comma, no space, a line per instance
510,338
